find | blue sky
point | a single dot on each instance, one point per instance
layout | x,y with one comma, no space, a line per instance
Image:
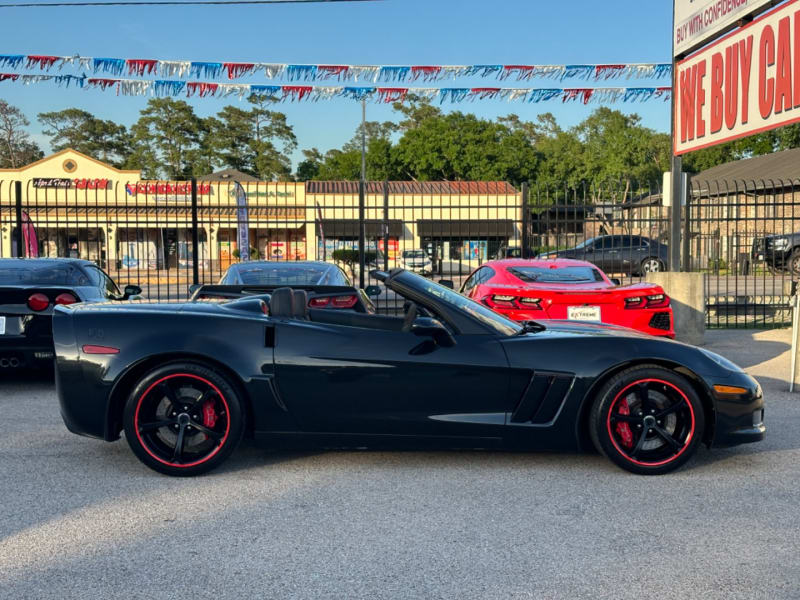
387,32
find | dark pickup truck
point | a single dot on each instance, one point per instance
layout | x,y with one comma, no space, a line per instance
780,253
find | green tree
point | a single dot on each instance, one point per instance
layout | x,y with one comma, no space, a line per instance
170,140
16,147
82,131
308,168
256,141
415,110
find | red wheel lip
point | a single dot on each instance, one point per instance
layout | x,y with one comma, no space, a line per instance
161,460
622,452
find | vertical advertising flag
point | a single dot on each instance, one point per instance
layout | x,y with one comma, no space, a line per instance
242,224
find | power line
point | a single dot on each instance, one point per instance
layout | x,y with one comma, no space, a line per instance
170,3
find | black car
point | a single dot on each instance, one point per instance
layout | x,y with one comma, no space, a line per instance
29,290
780,253
187,381
630,254
271,272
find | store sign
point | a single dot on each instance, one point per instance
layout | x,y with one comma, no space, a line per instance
167,190
263,193
699,21
745,83
67,184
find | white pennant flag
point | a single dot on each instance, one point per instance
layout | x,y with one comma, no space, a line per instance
272,70
174,68
133,87
228,89
365,72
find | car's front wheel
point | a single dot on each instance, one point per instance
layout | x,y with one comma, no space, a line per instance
651,265
183,419
648,420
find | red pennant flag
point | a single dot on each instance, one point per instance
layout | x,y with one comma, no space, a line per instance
573,93
9,76
201,88
139,66
103,84
296,92
427,73
484,92
328,71
608,71
41,61
392,94
522,71
236,70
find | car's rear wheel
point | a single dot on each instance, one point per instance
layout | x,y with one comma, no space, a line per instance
651,265
183,419
648,420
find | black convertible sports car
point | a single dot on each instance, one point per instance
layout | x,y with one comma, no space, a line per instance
187,381
30,288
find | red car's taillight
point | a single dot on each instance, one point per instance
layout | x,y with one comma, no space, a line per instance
65,298
505,301
652,301
38,302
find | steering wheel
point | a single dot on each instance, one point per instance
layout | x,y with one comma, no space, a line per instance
411,314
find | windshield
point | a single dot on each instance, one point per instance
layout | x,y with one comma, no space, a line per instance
414,254
280,275
42,274
586,243
560,275
485,315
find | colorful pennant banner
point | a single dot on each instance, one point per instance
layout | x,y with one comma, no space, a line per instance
175,87
319,72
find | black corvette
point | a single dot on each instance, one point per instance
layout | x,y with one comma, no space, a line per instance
187,381
29,290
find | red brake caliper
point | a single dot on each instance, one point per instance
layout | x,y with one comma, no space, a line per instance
209,416
623,429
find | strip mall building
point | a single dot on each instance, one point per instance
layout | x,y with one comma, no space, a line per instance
77,206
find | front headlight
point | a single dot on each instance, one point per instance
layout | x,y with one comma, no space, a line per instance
781,243
722,361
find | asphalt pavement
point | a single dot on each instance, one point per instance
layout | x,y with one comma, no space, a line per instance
80,518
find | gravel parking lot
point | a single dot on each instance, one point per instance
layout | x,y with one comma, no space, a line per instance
84,519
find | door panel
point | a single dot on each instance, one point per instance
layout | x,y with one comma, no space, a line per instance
339,379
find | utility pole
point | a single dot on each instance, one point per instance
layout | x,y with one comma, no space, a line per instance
361,198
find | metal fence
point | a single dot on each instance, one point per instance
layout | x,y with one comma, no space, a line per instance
166,235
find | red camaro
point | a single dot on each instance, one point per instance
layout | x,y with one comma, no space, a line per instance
532,290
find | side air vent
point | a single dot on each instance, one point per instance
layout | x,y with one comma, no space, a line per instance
543,398
269,337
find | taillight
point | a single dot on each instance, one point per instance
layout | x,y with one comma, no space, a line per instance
657,301
38,302
530,302
91,349
344,301
321,302
65,298
502,300
634,302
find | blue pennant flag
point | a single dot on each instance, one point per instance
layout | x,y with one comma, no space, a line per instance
115,66
301,72
483,70
11,60
393,73
269,90
65,80
168,87
206,69
453,94
357,93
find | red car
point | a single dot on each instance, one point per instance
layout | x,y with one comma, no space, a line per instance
576,290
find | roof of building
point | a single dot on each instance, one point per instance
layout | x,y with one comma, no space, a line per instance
413,187
779,169
228,175
71,151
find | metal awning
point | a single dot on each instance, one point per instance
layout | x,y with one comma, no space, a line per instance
348,228
466,229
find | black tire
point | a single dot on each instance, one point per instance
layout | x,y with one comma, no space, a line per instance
651,265
794,264
183,402
625,426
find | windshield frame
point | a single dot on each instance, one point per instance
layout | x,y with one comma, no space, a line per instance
464,315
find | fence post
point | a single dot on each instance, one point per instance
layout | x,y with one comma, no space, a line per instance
195,237
686,266
526,214
18,209
385,225
361,235
675,216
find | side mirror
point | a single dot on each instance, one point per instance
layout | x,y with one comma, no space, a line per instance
372,291
616,281
131,290
432,328
193,288
448,283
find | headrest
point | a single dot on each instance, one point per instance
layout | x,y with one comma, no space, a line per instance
300,304
281,302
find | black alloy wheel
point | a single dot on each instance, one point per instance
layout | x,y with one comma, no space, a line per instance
648,420
183,419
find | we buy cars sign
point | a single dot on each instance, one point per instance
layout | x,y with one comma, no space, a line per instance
744,83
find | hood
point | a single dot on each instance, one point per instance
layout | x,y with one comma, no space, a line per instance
590,329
